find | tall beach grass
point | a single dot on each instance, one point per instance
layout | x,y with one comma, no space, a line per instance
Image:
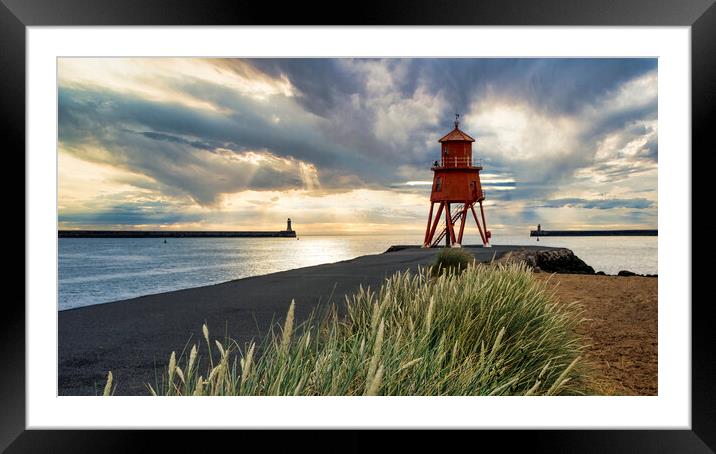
488,330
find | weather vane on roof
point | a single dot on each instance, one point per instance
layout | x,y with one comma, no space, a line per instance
457,120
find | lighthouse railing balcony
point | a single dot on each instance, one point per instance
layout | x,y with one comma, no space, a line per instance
452,162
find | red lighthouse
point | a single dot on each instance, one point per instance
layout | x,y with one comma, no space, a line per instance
456,188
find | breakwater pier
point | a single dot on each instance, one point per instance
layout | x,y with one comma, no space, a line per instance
288,233
540,232
173,234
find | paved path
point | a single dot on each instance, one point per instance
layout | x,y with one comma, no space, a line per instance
133,337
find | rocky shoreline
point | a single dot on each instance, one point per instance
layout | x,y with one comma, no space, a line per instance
562,261
547,259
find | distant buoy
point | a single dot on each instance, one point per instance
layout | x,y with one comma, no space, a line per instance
165,241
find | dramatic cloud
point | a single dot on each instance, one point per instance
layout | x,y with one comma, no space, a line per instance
639,203
182,142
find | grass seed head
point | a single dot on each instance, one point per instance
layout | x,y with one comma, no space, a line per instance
172,365
192,359
288,326
108,385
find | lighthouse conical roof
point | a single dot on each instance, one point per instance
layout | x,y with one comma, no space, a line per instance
456,136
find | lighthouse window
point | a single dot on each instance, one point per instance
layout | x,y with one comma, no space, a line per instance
438,184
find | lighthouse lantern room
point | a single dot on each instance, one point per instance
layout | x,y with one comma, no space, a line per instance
456,190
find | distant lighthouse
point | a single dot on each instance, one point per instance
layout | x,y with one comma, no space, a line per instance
456,183
288,225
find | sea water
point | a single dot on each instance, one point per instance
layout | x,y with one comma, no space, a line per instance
99,270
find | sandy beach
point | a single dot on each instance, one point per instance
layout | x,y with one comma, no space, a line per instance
133,338
621,328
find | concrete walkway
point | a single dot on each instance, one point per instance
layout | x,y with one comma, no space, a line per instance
134,337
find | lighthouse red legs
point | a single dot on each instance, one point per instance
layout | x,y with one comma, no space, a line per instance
482,235
427,229
486,239
462,224
429,236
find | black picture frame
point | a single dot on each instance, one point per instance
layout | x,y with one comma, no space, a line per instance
700,15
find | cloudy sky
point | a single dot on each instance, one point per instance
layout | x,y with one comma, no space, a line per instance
345,145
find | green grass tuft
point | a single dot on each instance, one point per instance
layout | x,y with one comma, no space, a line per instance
452,260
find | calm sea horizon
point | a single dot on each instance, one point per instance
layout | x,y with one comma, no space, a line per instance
100,270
